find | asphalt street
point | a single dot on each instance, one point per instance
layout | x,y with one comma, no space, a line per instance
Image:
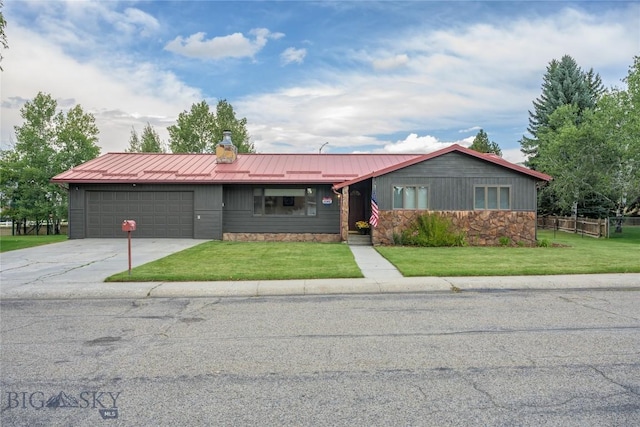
528,358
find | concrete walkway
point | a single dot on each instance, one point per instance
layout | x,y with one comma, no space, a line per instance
373,265
77,268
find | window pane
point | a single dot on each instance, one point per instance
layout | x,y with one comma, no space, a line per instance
257,201
504,198
270,205
409,197
422,197
397,197
492,197
479,204
311,201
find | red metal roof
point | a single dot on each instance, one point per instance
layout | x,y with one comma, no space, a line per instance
338,169
248,168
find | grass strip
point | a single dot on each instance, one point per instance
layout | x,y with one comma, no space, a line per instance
12,243
217,260
567,254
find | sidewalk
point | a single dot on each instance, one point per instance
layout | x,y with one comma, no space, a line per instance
76,271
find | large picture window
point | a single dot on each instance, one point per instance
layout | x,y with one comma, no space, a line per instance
284,201
492,198
410,197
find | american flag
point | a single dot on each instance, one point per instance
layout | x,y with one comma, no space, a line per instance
374,210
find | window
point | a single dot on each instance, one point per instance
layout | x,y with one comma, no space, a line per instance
492,198
410,197
284,201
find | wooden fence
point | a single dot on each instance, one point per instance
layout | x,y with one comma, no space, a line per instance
586,226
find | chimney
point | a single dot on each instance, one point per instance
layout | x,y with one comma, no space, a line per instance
226,152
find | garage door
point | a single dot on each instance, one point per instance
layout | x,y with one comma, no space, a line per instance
157,213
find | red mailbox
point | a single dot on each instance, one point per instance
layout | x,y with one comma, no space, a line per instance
128,225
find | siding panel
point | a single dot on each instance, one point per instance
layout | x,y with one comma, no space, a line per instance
239,218
451,179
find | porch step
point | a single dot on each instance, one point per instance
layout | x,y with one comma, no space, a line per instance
359,240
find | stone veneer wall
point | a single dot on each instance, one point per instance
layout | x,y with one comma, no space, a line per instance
344,214
281,237
483,228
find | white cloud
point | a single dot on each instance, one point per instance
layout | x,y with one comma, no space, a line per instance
469,77
471,129
136,20
422,144
232,46
292,54
118,95
390,62
481,76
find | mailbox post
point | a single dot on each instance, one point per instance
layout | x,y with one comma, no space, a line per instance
129,225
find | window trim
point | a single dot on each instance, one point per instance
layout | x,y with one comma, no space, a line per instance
416,196
486,197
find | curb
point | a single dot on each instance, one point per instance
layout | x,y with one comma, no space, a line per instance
140,290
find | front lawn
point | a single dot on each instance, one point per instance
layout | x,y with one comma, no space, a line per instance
11,243
571,254
216,260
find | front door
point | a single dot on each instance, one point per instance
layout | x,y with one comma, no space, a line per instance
356,208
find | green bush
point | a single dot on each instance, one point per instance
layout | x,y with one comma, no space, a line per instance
544,243
432,230
504,241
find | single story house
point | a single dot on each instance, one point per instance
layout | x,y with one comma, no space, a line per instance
301,197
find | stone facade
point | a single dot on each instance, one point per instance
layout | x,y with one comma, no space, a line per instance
344,214
281,237
483,228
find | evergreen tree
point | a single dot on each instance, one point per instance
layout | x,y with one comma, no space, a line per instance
482,144
563,84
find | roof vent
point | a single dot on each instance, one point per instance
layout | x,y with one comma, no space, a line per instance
226,152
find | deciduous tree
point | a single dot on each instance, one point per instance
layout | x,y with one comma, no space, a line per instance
149,142
594,154
48,143
3,37
200,130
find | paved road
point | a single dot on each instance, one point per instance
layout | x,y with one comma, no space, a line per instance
560,357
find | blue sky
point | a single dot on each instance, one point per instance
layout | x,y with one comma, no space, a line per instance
385,76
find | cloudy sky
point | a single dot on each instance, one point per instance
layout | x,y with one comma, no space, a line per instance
364,76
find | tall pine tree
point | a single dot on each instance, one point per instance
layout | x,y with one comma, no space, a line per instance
563,84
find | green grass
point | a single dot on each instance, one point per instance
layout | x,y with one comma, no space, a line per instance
570,254
216,260
11,243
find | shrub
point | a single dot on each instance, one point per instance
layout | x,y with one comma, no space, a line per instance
504,241
431,230
544,243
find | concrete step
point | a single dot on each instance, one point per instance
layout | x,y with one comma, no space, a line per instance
359,240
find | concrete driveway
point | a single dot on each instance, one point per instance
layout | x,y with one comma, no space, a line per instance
81,260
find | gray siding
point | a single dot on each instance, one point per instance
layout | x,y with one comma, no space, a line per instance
239,218
451,179
203,203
